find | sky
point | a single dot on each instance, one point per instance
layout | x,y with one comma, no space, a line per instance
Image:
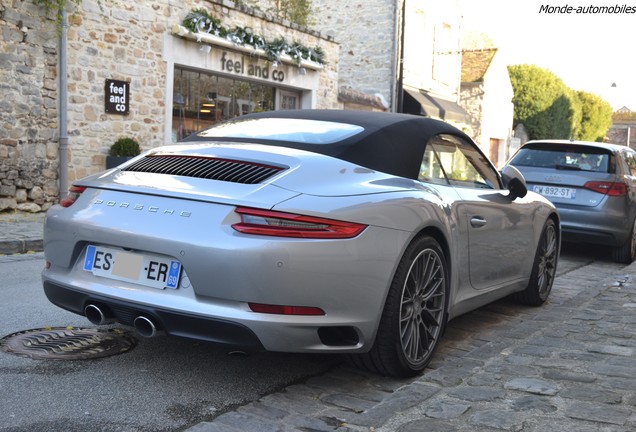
589,52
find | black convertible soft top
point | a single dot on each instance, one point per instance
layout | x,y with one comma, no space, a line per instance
388,142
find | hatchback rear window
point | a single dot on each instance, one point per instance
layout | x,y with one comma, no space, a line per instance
565,157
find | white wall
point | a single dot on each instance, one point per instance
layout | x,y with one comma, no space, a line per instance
497,110
432,58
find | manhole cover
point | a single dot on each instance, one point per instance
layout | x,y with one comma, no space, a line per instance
67,343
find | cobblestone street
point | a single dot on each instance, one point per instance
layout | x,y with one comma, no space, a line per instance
566,366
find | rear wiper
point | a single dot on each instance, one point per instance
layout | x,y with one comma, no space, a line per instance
568,167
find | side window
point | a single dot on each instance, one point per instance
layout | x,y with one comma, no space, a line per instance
431,170
450,160
630,159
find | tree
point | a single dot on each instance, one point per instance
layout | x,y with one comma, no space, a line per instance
576,113
551,110
543,103
596,117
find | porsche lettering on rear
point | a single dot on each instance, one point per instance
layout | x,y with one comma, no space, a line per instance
141,207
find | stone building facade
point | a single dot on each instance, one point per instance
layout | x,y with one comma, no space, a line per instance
379,53
143,45
404,55
623,129
431,61
486,95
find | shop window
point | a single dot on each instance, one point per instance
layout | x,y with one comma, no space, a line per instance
202,99
288,100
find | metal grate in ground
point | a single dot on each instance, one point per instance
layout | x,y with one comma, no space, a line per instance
68,343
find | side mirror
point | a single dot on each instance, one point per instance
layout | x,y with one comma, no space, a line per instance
513,180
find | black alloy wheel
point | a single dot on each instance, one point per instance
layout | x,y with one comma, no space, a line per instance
626,253
414,314
543,269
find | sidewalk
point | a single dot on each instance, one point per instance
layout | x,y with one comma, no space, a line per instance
20,232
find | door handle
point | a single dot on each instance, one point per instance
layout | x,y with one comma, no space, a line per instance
477,222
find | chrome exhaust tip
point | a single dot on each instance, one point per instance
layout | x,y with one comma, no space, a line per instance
145,327
96,315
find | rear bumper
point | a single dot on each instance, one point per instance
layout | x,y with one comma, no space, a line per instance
602,227
578,235
173,323
222,272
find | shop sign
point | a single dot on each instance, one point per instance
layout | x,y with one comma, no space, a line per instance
249,68
117,97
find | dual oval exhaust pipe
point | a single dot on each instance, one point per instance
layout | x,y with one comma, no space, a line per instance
99,315
96,315
145,326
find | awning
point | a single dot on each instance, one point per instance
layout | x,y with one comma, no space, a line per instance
423,103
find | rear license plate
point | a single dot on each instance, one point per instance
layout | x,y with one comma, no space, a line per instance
149,270
555,192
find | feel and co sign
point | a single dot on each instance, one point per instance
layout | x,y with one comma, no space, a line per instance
117,97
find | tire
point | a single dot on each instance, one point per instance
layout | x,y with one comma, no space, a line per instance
414,314
543,268
626,253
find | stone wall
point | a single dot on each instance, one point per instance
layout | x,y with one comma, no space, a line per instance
623,129
365,30
472,100
622,134
28,107
120,40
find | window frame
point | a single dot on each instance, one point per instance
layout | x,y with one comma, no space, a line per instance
478,164
629,156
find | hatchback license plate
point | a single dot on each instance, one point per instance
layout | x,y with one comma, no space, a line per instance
555,192
149,270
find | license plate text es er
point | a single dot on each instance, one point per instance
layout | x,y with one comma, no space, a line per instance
149,270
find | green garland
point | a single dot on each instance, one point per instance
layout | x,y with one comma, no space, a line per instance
200,21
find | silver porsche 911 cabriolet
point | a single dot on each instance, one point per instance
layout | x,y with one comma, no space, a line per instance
303,231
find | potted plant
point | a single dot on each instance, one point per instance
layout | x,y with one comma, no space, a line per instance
123,149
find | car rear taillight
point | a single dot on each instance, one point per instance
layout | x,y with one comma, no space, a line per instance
285,310
279,224
73,194
607,188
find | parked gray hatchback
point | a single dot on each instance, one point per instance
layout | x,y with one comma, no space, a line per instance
593,186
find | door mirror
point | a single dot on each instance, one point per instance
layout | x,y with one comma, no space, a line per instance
513,181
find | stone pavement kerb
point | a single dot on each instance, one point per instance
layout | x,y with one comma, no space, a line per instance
20,232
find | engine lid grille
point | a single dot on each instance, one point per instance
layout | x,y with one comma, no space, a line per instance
205,167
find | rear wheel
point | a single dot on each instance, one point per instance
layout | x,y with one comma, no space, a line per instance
626,253
543,269
414,313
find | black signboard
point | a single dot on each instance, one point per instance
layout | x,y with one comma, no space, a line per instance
117,97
